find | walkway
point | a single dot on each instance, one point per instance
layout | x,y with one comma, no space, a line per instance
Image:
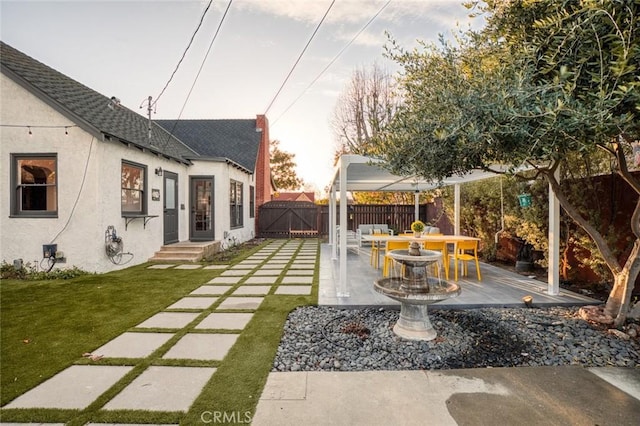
202,326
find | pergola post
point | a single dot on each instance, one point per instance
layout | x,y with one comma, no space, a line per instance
343,289
332,223
417,204
553,272
456,209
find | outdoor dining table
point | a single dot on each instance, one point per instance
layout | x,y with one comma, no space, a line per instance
378,239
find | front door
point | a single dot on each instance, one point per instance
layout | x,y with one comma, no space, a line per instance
201,203
170,215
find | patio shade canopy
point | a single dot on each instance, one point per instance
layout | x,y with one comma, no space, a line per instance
362,173
367,174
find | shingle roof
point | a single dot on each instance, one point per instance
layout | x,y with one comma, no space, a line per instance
88,107
235,139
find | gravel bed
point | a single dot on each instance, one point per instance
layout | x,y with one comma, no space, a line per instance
329,339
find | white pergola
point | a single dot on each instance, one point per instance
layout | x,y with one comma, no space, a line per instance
361,173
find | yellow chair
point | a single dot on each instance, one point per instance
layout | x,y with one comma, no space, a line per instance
440,246
373,259
388,261
464,252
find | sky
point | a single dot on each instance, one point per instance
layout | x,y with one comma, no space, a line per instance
130,48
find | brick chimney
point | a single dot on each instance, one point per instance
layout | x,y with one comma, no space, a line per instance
263,167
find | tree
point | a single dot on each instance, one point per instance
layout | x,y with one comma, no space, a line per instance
367,104
545,84
283,168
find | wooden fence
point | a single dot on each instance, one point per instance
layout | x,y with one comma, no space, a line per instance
282,219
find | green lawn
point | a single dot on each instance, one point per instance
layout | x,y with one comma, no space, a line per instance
46,326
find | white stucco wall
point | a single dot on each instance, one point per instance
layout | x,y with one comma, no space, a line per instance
80,231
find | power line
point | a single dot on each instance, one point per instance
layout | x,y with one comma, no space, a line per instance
299,57
332,61
200,69
183,55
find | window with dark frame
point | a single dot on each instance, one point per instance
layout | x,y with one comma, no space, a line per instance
34,178
252,201
133,188
235,203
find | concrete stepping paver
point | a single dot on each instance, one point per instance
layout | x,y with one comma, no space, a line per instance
162,389
271,265
268,271
202,346
252,290
262,280
225,321
74,388
235,272
217,290
241,303
293,290
188,266
300,272
133,345
297,280
302,266
163,266
193,303
169,320
216,267
225,280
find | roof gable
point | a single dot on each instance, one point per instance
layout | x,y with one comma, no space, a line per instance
237,140
86,107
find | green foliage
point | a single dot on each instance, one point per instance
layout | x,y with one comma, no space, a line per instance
30,272
283,168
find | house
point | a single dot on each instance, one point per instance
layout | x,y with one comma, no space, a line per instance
90,183
308,196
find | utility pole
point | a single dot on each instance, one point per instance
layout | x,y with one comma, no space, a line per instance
149,111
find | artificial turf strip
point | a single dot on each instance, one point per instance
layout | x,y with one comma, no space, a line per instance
236,386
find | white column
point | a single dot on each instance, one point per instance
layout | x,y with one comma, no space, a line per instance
417,202
456,209
553,272
343,289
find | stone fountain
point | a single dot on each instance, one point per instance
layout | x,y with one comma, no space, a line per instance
414,284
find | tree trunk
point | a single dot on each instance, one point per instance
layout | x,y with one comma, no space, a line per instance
620,297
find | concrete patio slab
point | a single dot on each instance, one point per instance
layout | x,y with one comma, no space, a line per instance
241,303
133,345
261,280
211,290
302,266
162,389
73,388
193,303
297,280
188,266
225,321
273,265
169,320
225,280
293,289
163,266
257,290
211,347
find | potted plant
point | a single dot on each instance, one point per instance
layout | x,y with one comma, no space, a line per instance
417,227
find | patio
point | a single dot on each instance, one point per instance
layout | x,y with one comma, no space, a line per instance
498,288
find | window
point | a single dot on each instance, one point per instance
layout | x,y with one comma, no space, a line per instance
133,188
235,201
34,178
252,201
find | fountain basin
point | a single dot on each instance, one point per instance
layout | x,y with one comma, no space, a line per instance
416,288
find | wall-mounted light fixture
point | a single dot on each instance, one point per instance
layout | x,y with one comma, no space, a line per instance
158,171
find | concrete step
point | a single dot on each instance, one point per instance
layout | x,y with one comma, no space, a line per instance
186,251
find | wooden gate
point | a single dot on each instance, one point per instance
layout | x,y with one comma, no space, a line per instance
286,219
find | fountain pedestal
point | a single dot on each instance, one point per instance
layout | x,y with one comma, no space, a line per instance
416,287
